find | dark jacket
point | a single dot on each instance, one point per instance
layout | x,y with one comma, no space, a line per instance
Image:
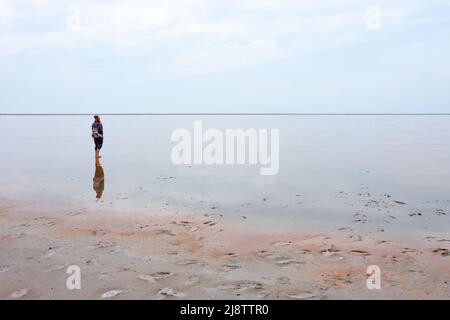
97,130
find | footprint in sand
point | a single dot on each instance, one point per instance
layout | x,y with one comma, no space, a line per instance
111,293
268,254
19,294
281,243
240,286
91,262
4,268
329,251
442,251
102,244
280,260
286,262
193,229
191,262
263,294
337,280
230,266
360,253
171,292
126,267
152,278
164,232
51,252
300,296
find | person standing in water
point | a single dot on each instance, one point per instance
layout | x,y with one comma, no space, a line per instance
97,134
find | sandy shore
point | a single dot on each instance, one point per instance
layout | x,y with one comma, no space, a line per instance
162,256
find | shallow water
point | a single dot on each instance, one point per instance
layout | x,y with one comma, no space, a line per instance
334,170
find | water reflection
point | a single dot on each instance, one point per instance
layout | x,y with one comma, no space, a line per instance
99,179
328,167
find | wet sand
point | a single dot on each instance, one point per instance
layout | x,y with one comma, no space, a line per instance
207,256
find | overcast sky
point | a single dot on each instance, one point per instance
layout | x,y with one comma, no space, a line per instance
98,56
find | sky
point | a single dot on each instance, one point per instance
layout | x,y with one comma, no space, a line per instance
183,56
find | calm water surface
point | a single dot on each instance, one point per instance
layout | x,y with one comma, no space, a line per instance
334,170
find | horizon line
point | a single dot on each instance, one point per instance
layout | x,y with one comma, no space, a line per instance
234,114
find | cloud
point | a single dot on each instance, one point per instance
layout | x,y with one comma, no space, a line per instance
228,57
188,36
7,14
197,29
286,52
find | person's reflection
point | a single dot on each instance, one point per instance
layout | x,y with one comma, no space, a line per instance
99,179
